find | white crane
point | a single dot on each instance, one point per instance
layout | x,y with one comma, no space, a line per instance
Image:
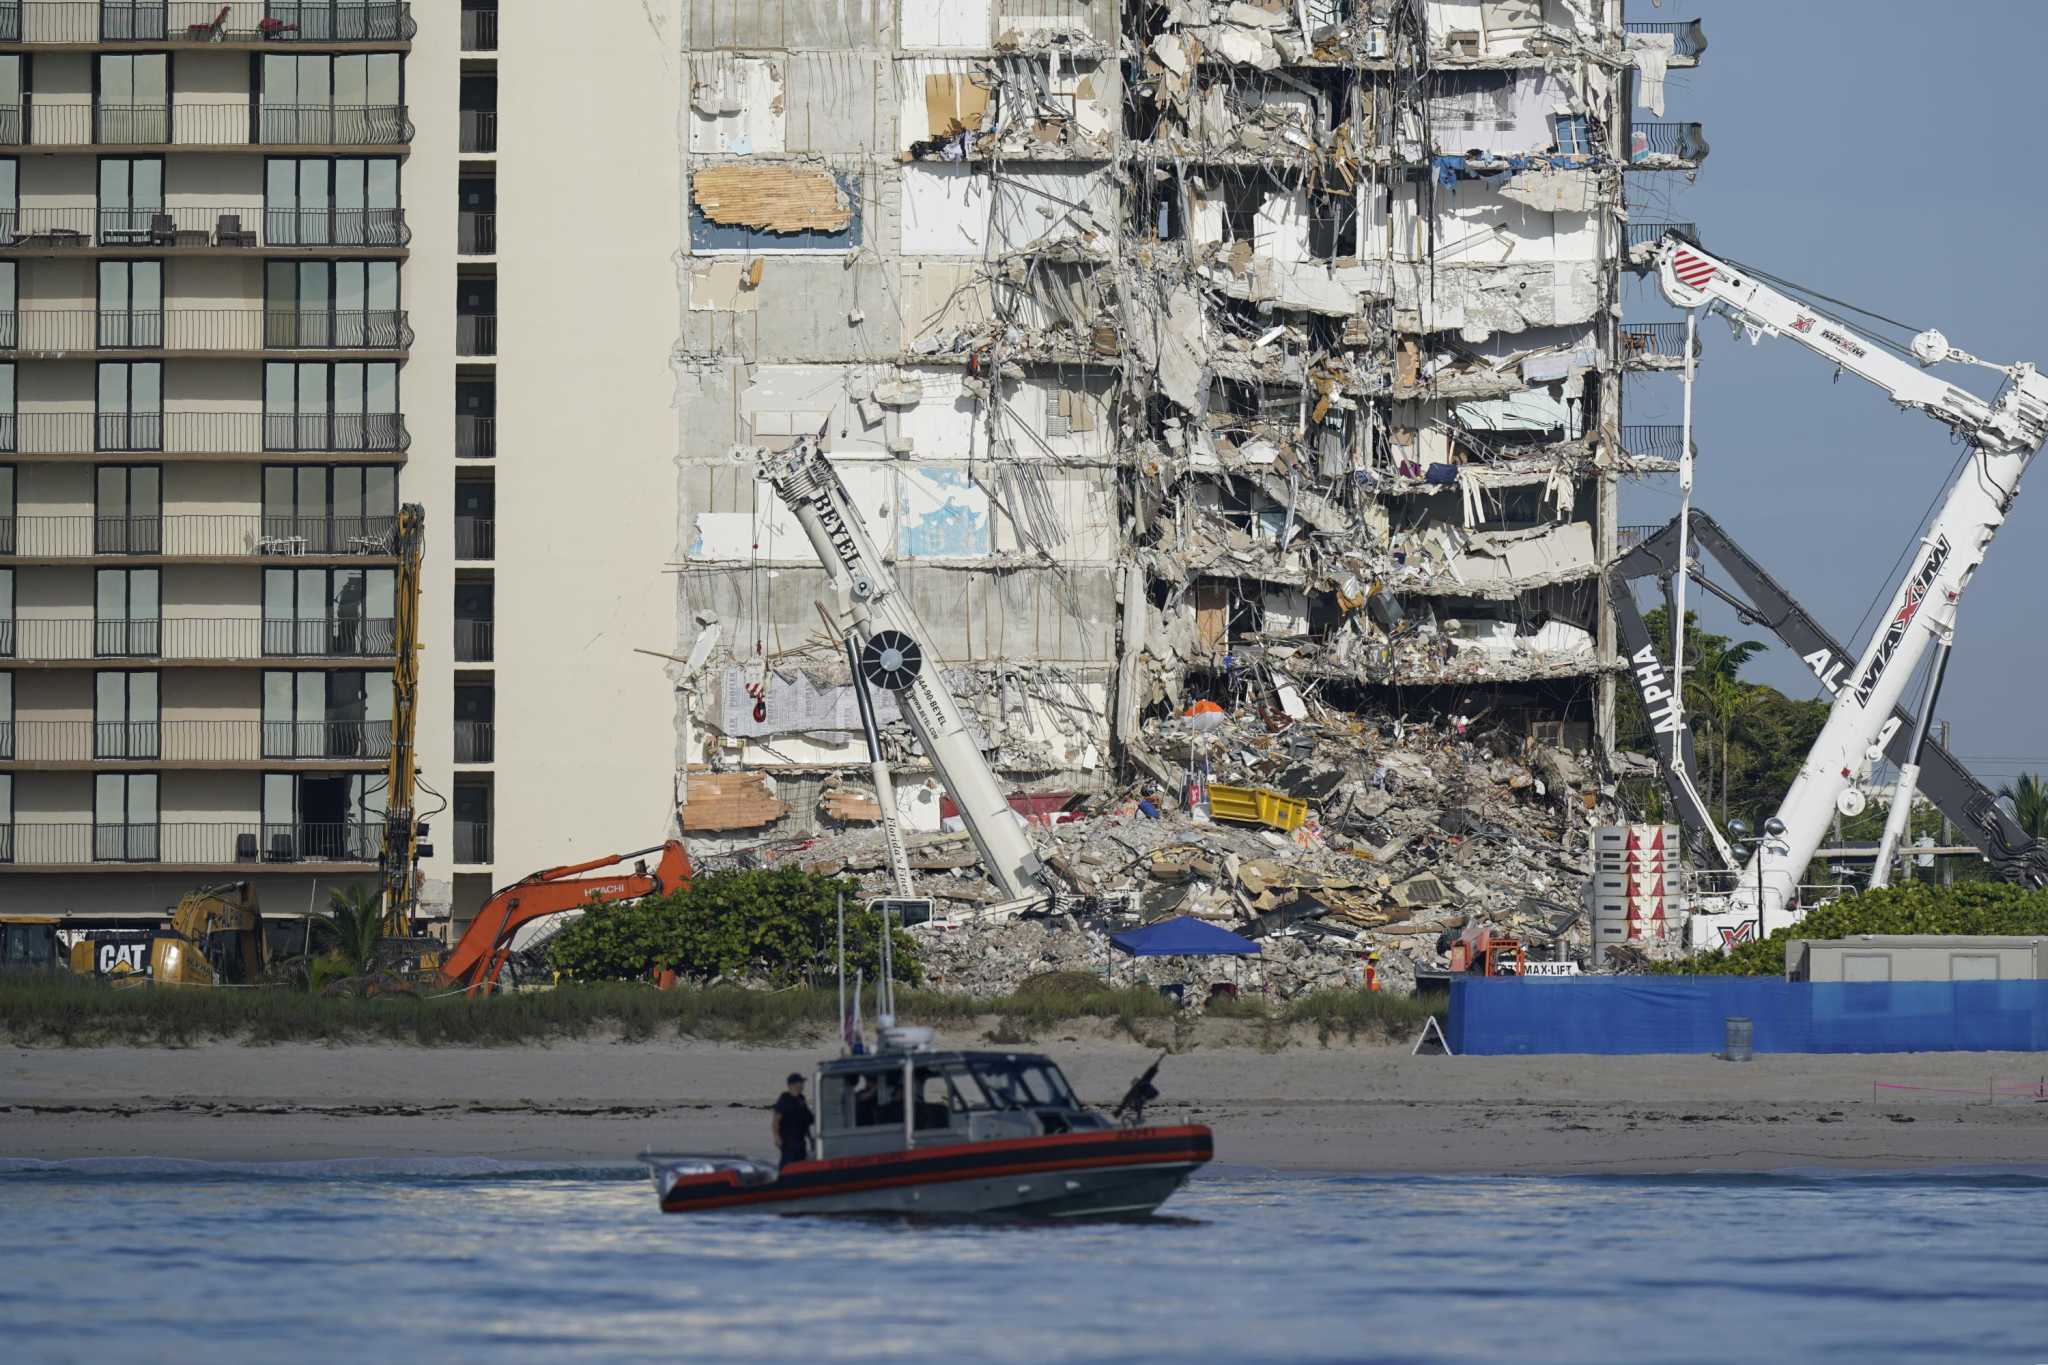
2003,436
887,646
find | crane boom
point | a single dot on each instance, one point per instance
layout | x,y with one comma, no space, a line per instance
864,605
2003,437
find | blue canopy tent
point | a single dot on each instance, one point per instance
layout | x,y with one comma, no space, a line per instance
1183,936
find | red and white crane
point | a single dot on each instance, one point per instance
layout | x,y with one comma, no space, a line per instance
2003,436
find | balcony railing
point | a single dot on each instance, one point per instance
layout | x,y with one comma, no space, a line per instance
1663,341
476,234
1628,537
473,741
196,741
316,125
480,30
479,130
64,639
206,21
1648,234
476,438
472,841
1684,141
196,535
69,123
204,329
475,538
186,226
1658,442
473,641
236,433
209,843
1688,39
476,334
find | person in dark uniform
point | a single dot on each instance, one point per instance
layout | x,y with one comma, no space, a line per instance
791,1122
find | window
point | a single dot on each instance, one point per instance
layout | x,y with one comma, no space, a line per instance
322,816
124,817
348,200
6,817
125,716
10,201
8,421
315,612
7,538
131,196
128,510
342,100
131,312
139,20
318,406
134,98
344,713
6,613
7,721
322,304
131,406
1573,135
12,125
127,613
330,509
10,331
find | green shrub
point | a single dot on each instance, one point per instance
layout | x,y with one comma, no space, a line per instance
325,971
774,926
1965,908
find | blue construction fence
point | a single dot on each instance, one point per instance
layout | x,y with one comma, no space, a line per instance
1497,1016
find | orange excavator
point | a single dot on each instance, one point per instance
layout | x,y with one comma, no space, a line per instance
477,958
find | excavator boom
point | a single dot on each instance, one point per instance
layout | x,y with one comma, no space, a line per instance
477,958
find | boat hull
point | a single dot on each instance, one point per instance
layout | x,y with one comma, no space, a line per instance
1108,1174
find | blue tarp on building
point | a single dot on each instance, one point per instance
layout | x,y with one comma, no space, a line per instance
1183,936
1685,1014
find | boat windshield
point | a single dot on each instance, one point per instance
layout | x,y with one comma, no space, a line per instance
1013,1083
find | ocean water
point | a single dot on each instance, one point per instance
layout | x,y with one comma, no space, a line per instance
441,1260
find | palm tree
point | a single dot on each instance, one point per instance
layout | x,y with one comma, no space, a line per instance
356,919
2029,798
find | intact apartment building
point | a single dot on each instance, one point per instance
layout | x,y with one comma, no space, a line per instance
1165,346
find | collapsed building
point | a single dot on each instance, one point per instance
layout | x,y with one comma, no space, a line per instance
1172,348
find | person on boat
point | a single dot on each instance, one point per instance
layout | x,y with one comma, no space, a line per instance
791,1121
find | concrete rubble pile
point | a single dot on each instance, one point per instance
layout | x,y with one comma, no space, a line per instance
1412,832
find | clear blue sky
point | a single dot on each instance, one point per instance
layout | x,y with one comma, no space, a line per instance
1884,153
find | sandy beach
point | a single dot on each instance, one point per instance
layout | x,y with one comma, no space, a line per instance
1341,1108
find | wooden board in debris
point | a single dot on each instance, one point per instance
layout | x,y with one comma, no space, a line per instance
730,801
772,198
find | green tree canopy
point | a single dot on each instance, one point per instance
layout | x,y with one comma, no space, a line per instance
777,926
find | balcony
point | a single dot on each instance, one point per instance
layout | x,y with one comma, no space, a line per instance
1688,39
238,23
188,228
203,331
1655,345
226,535
1628,537
475,538
480,29
211,844
1660,442
473,641
474,741
472,841
64,122
185,639
479,130
476,438
195,433
1666,144
85,743
476,334
476,234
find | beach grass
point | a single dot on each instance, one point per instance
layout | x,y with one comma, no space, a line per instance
46,1011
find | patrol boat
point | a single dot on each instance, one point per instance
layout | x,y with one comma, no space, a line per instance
909,1130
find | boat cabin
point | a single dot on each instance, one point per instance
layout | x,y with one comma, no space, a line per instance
891,1101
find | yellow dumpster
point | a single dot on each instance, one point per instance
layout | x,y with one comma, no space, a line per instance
1257,806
